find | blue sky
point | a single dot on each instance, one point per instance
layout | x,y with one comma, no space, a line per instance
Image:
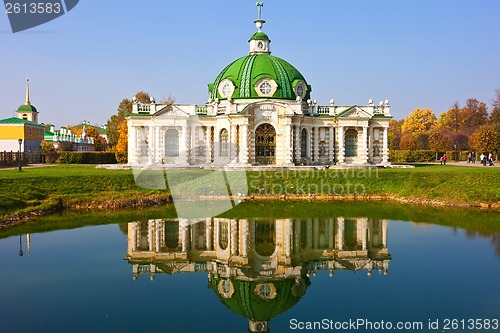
417,54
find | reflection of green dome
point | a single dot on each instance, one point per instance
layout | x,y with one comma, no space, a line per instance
247,303
245,72
26,108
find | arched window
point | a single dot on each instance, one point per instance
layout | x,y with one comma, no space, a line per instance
223,141
304,143
351,143
265,237
172,143
223,235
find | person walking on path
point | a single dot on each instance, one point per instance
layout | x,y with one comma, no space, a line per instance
443,159
483,159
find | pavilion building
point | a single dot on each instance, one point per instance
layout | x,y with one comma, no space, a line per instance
260,112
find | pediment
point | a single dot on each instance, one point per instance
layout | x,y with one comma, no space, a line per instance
355,112
171,111
354,264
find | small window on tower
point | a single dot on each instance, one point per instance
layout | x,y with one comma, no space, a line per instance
227,90
265,88
25,116
300,90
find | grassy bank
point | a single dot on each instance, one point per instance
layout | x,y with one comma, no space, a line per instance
77,186
476,222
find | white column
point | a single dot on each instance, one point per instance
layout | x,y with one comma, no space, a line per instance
151,146
132,145
184,138
244,144
183,226
364,229
384,233
208,234
385,149
192,146
158,145
134,226
364,148
296,234
331,226
288,237
341,150
233,234
298,145
233,145
158,223
208,138
288,144
244,237
340,233
331,139
316,144
151,234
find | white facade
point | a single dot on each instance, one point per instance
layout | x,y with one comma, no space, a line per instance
259,113
231,132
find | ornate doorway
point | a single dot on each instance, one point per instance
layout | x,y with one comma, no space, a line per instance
265,144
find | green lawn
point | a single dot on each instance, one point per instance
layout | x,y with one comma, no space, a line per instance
60,186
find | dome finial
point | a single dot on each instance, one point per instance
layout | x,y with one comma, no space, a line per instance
259,22
27,91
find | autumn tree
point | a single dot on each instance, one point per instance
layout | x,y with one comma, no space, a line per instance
438,141
394,133
122,145
495,111
486,138
450,119
420,121
90,132
414,141
124,108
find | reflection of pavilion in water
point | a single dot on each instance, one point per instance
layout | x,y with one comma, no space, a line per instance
258,268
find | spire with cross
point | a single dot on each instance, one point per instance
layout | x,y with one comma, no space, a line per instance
259,22
259,4
27,91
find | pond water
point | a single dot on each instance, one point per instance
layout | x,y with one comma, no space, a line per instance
281,267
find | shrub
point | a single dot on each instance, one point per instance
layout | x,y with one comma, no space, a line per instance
410,156
51,157
121,157
94,157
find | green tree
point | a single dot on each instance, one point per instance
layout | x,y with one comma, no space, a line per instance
124,108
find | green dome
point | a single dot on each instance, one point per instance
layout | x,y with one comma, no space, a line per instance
259,35
245,302
245,72
26,108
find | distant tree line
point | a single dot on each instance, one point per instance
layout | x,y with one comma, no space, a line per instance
469,127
